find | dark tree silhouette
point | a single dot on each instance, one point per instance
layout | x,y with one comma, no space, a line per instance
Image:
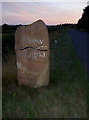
9,28
83,23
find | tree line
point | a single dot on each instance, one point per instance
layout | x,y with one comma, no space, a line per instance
83,22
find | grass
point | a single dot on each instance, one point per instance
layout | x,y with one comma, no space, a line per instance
64,97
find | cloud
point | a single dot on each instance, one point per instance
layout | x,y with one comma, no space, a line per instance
51,13
44,0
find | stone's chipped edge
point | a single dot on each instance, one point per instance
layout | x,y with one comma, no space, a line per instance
19,65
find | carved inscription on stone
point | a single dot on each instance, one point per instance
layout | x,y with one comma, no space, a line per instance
32,54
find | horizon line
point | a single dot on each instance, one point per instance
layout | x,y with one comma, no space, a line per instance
31,23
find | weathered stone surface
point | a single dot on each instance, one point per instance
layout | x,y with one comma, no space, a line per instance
32,54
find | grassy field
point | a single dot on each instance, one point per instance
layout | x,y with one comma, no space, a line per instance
64,97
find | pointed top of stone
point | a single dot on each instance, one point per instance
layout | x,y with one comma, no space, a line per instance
32,54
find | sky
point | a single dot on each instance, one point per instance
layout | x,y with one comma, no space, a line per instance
52,13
